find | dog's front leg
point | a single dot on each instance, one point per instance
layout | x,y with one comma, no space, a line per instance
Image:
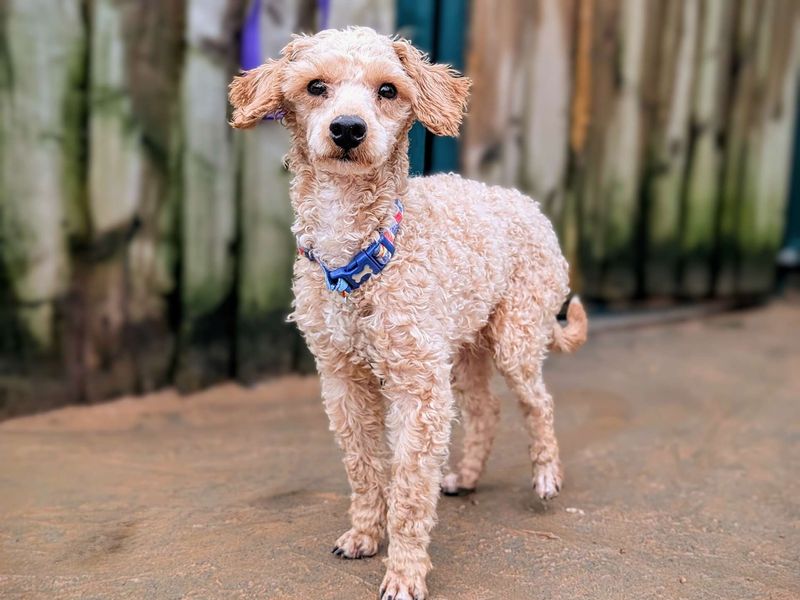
356,412
419,415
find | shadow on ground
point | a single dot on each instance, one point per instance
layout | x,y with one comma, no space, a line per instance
681,446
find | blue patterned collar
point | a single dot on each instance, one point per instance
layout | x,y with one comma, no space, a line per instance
366,263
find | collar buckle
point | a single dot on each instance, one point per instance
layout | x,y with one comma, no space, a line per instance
366,263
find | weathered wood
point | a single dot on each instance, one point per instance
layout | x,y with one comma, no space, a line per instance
698,223
545,117
656,134
42,79
41,183
126,274
736,180
763,209
208,201
668,130
378,14
265,343
610,186
491,147
517,128
579,119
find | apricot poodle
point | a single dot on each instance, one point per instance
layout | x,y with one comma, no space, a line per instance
407,289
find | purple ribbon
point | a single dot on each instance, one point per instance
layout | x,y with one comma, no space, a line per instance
250,50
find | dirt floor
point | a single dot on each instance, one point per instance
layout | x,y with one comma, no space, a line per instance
681,446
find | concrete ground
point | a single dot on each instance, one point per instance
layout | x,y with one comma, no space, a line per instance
681,446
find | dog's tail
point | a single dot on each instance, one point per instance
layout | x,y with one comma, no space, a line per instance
571,337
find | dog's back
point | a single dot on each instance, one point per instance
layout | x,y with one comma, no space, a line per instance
484,242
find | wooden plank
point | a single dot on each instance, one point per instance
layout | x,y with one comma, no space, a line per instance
622,158
116,163
491,138
705,155
545,117
744,280
735,179
265,343
42,78
668,127
377,14
41,160
126,274
207,213
579,120
609,191
769,148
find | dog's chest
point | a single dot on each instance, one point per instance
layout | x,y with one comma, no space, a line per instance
332,325
349,327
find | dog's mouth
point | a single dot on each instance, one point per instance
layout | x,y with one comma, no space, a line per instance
345,160
344,156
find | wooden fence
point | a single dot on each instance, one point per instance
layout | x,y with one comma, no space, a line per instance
143,242
657,134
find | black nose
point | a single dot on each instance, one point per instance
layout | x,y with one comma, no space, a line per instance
348,131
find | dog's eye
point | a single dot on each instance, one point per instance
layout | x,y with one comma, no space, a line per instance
387,90
315,87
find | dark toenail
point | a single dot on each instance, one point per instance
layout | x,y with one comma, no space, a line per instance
335,548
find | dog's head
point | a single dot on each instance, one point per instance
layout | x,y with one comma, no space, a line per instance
350,95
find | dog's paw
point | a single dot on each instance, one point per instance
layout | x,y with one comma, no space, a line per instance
547,480
397,586
355,544
451,486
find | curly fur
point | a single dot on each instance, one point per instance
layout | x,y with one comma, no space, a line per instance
478,277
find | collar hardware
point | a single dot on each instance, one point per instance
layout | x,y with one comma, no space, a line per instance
366,263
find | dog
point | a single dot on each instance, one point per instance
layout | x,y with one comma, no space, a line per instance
407,289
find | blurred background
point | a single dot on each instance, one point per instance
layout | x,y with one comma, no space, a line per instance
144,243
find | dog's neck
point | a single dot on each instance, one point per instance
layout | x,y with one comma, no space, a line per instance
338,215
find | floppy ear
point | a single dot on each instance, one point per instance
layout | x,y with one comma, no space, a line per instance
441,92
256,93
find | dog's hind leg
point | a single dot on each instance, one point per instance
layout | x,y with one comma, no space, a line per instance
521,331
480,411
356,411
